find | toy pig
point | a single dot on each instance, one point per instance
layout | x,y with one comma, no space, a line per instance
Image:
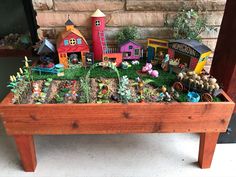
153,73
147,67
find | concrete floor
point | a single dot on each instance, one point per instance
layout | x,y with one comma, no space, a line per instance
144,155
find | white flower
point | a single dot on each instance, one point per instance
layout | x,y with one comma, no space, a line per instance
14,78
18,75
11,79
26,64
26,59
21,71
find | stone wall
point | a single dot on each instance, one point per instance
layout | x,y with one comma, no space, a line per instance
148,15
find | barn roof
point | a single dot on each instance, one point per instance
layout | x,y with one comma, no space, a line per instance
65,33
46,47
69,22
199,47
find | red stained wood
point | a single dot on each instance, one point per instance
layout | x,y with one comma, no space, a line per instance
207,148
224,61
26,149
116,118
15,52
25,120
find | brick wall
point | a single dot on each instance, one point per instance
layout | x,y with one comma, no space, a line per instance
148,15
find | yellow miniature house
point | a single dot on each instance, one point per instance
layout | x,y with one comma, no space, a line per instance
191,53
156,47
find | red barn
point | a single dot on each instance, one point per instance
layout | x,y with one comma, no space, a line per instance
71,45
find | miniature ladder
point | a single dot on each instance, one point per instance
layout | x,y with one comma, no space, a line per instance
103,41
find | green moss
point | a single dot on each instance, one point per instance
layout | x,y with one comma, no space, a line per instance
164,78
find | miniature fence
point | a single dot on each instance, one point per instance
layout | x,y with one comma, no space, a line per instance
112,50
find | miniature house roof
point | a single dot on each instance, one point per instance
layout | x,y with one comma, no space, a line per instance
46,47
98,13
65,33
69,22
195,45
124,43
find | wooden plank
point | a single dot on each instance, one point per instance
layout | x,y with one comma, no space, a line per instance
15,52
26,149
116,118
224,61
74,127
207,148
114,111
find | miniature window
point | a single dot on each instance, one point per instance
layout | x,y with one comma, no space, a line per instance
130,47
79,41
126,54
136,52
72,41
66,42
97,23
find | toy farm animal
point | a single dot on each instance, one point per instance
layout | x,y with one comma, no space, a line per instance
147,67
153,73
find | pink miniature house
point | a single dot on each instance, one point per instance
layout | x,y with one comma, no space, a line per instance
98,35
131,50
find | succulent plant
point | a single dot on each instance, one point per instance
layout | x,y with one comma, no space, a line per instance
124,90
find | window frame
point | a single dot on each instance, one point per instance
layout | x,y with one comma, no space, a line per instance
66,42
138,52
79,41
97,23
74,41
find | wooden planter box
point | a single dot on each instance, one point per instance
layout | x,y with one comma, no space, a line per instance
25,120
16,52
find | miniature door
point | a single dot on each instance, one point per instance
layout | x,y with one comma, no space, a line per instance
63,59
89,59
151,54
193,63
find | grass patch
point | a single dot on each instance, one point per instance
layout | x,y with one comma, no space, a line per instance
75,73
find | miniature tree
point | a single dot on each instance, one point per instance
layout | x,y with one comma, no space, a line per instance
127,33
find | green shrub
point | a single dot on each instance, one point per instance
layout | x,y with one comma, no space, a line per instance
127,33
189,24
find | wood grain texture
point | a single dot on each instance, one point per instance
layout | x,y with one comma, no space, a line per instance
116,118
224,61
207,148
15,52
26,149
23,121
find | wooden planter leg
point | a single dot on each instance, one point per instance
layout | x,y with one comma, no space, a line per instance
26,150
206,149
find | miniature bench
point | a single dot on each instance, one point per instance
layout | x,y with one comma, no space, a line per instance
22,121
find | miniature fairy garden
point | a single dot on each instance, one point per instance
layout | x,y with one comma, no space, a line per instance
171,71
